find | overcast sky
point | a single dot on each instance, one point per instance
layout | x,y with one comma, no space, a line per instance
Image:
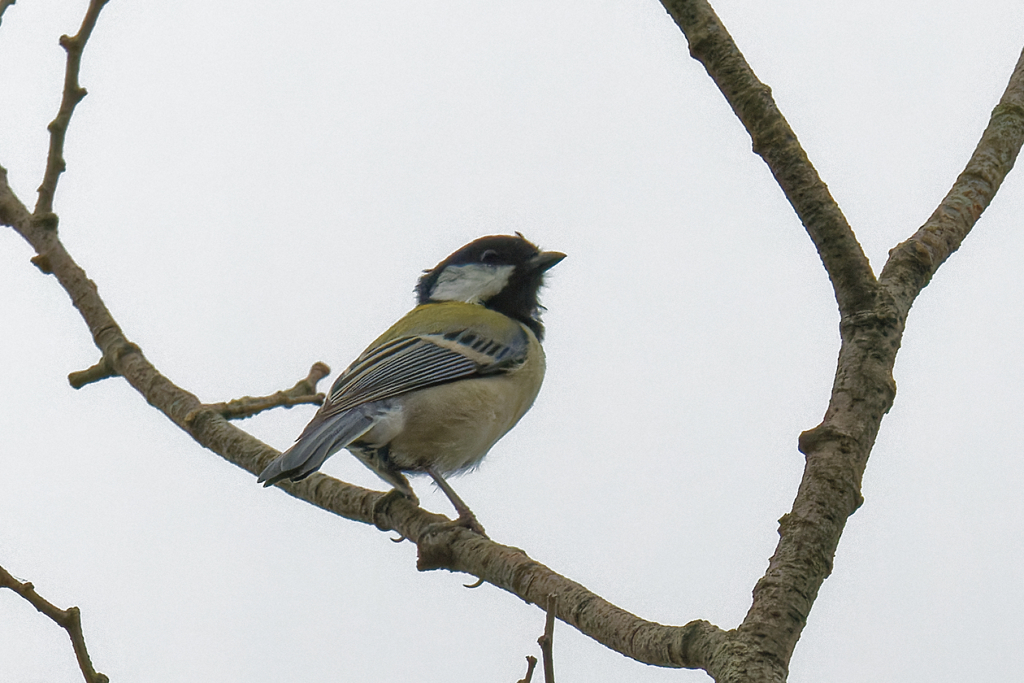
255,186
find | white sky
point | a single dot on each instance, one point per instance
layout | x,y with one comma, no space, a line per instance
256,186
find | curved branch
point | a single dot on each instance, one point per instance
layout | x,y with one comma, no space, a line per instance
775,142
69,619
912,263
4,4
836,451
873,320
694,645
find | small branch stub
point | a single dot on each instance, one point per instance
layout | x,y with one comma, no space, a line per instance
531,664
101,370
106,367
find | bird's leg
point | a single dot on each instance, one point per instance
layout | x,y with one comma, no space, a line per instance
466,517
402,490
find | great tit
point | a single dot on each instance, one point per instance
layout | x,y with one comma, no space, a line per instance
443,384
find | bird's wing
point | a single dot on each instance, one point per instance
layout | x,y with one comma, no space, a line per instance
386,370
413,362
434,344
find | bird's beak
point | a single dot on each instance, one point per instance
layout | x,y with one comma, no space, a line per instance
545,260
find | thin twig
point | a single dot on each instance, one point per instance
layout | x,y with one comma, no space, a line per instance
69,619
304,391
73,94
547,640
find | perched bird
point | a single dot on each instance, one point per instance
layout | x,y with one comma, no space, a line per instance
438,389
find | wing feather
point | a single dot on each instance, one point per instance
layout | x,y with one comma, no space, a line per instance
414,362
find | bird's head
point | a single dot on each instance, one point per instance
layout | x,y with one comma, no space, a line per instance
502,272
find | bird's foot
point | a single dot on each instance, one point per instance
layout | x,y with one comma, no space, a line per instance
466,517
380,509
466,520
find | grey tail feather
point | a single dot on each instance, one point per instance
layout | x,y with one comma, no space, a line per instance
311,450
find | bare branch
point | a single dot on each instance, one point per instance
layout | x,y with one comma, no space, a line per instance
12,210
873,320
457,549
4,4
94,373
912,263
847,266
547,640
105,367
73,94
304,391
836,451
70,620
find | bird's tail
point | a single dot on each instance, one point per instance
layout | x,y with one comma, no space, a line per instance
314,446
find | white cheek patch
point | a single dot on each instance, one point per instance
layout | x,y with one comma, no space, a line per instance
472,283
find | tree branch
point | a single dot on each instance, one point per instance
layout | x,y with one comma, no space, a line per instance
4,4
912,263
531,664
547,640
70,620
73,94
873,317
456,549
836,450
776,143
12,210
304,391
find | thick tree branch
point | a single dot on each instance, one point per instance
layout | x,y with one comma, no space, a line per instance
4,4
12,210
873,317
761,648
911,264
69,619
773,139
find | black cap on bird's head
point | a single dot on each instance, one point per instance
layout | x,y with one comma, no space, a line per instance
501,272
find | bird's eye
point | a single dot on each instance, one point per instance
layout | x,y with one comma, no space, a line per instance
489,256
